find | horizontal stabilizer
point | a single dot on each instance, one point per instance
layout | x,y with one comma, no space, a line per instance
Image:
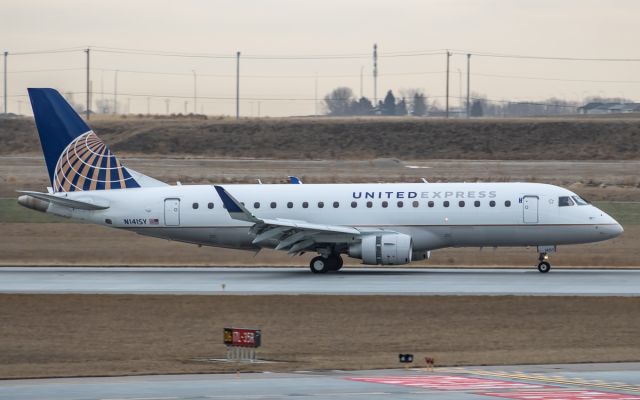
65,202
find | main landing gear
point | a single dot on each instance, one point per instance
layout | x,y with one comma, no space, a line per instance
321,264
544,265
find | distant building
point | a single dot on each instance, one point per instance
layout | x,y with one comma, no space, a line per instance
609,108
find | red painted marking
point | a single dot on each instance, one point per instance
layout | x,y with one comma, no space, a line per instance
448,382
560,395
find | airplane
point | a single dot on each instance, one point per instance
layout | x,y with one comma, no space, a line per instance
378,223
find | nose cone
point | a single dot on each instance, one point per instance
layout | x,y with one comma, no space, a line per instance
618,229
612,228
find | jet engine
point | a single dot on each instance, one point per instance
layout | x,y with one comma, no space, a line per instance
383,249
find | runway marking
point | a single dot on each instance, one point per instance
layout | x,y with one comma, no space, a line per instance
560,395
596,383
447,382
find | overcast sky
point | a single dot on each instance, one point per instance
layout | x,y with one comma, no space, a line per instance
575,28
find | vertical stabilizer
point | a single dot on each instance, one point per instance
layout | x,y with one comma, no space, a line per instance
76,158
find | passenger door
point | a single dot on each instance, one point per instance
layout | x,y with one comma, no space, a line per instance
530,209
172,212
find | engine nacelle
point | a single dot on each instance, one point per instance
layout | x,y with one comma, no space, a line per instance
383,249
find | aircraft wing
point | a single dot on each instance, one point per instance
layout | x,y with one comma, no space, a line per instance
292,235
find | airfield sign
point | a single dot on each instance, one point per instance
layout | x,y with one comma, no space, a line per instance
240,337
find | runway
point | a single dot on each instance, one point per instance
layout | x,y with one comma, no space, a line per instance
544,382
358,281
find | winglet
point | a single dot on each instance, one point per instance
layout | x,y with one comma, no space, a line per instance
295,180
235,208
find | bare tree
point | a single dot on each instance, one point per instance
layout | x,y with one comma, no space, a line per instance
338,102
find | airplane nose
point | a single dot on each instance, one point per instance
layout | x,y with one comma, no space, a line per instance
610,228
618,230
613,229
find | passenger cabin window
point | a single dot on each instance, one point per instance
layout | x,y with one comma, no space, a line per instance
507,203
580,201
385,204
195,206
564,201
320,204
210,206
354,204
336,204
431,204
415,204
273,204
461,203
400,204
256,205
305,205
289,205
476,203
369,204
446,203
492,203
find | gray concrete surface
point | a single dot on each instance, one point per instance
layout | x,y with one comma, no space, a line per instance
301,280
587,381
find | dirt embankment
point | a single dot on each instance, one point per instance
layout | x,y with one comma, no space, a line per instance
367,138
66,335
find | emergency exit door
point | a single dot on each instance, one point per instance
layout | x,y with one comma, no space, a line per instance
530,209
172,212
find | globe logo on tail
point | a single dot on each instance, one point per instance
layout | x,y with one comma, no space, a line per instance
88,164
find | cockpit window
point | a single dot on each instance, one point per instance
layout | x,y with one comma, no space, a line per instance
580,201
564,201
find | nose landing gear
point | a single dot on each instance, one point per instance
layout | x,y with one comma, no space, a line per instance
544,265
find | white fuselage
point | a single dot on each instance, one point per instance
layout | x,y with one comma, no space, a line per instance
506,214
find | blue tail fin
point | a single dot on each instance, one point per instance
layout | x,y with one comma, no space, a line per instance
76,158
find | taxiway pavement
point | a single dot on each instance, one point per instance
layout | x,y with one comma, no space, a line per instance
359,281
543,382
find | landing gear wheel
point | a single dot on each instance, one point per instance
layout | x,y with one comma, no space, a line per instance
336,263
319,265
544,267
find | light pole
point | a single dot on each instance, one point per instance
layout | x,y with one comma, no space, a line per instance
238,85
361,74
195,97
375,75
101,108
447,89
6,55
459,88
468,84
115,94
88,111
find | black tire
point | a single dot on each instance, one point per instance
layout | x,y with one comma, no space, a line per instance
544,267
319,265
336,263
